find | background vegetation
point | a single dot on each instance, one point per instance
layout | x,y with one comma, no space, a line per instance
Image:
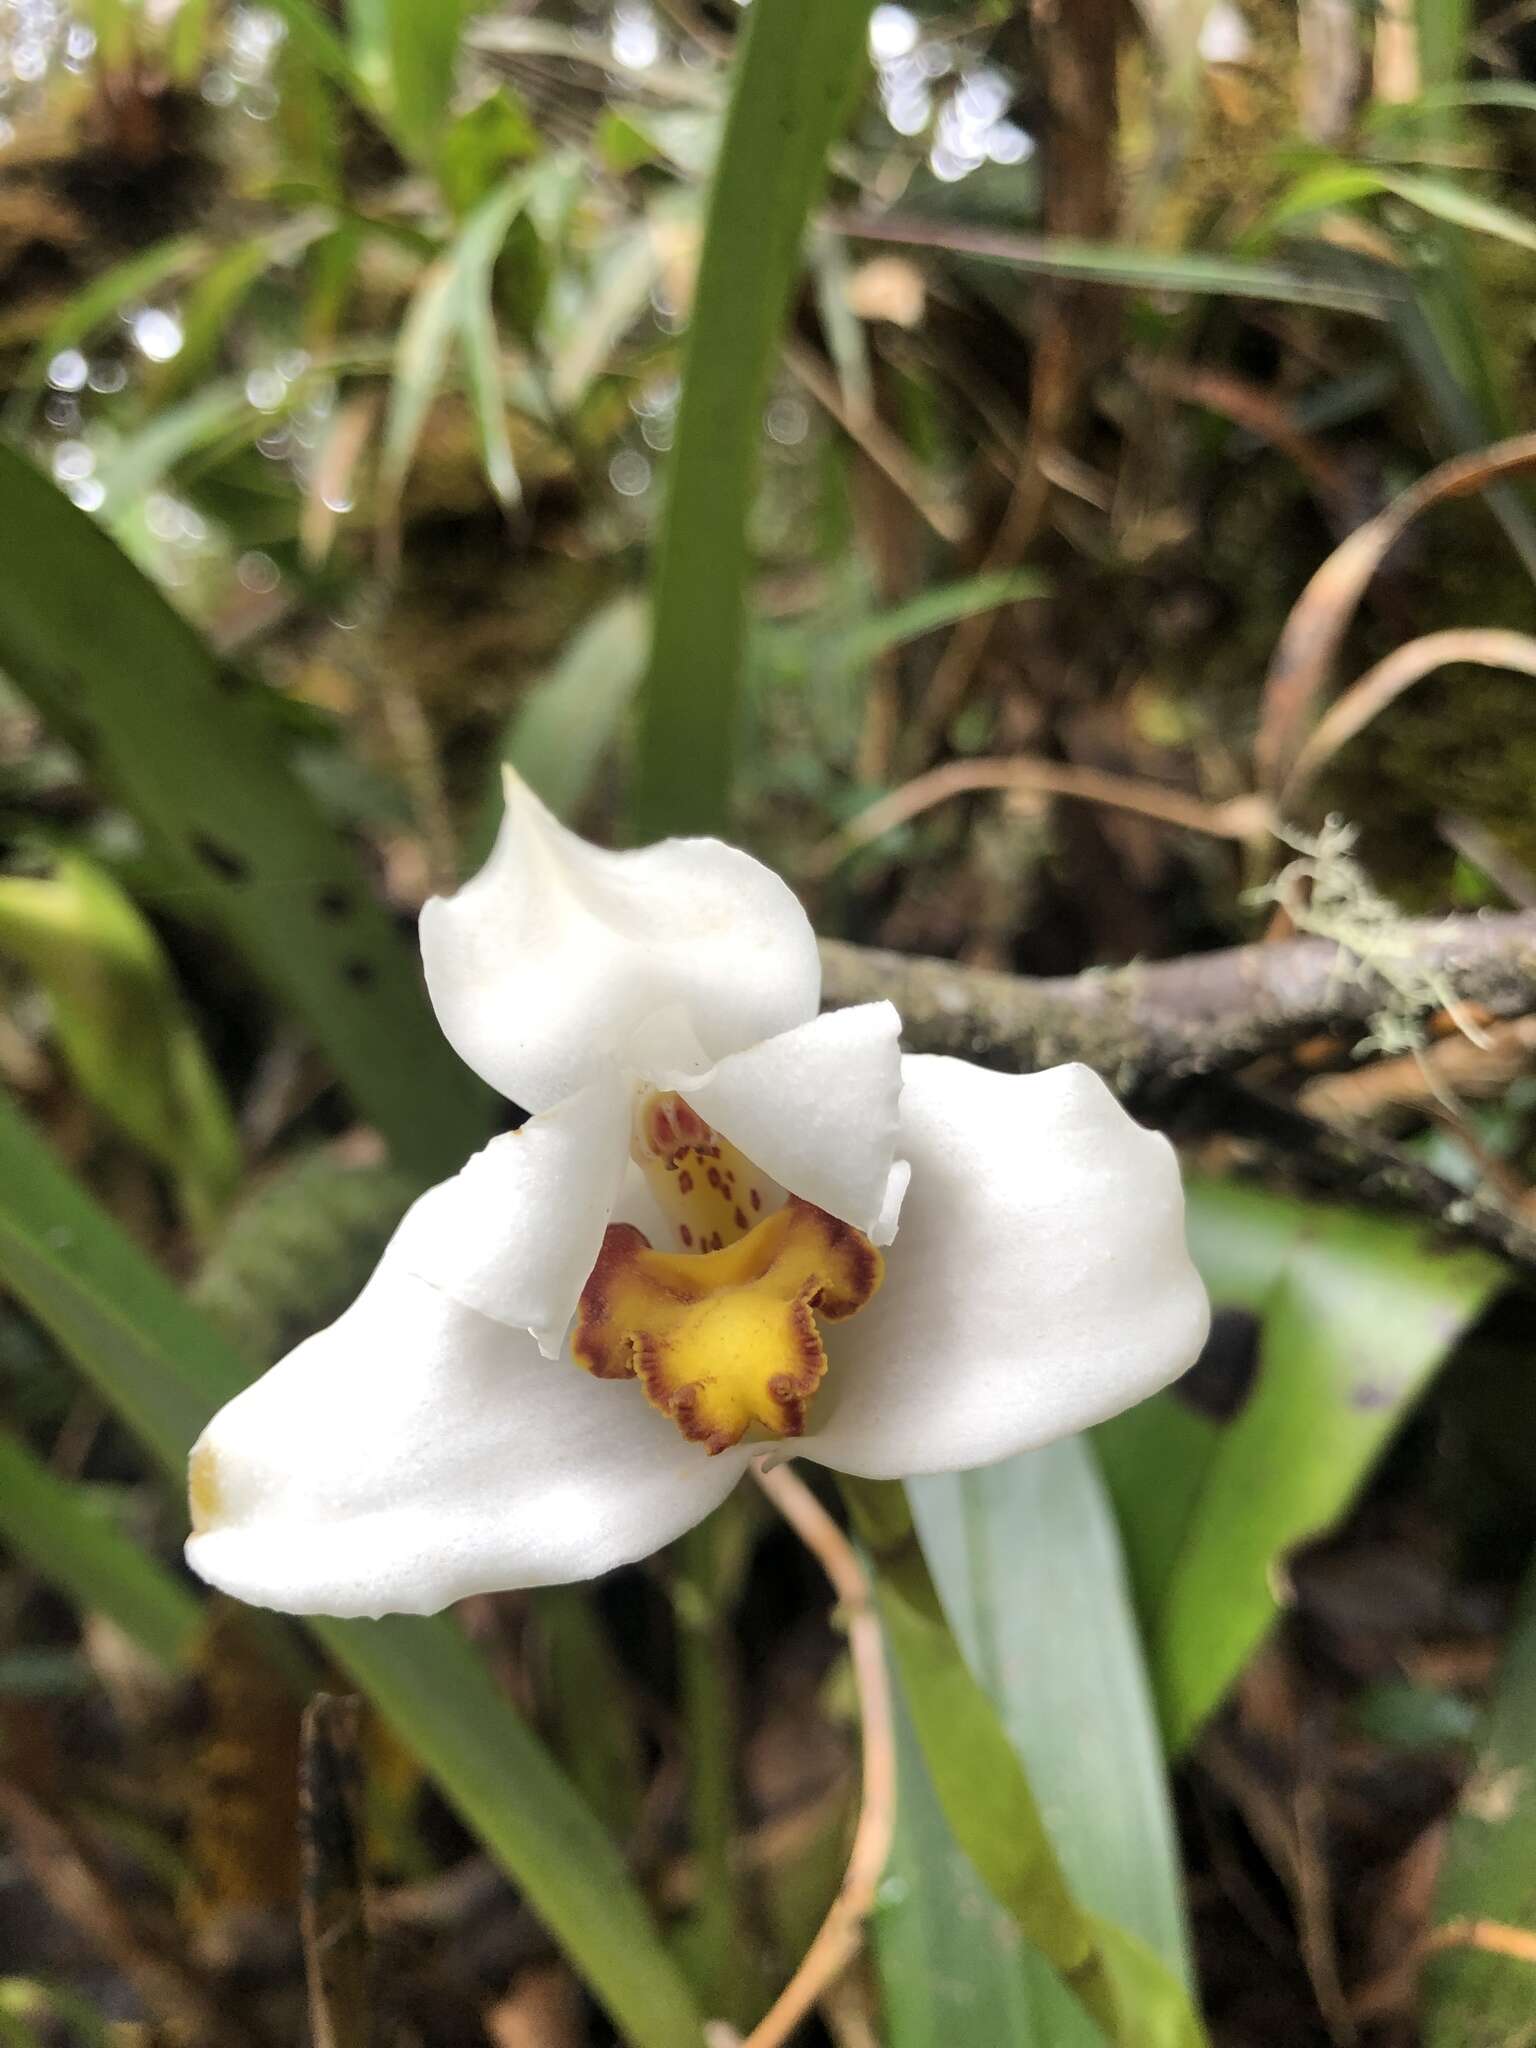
1049,478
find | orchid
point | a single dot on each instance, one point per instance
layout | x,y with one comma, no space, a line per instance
728,1224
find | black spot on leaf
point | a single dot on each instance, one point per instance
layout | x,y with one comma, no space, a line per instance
219,860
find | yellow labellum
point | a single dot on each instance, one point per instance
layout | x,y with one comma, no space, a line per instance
724,1339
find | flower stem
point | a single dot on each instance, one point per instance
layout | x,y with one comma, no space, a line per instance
982,1785
717,1943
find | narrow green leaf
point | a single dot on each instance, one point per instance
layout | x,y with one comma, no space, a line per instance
454,300
218,415
186,40
312,34
195,753
989,1800
794,85
122,1025
1137,269
1472,1997
569,717
164,1370
941,606
99,301
1466,423
1342,184
582,329
78,1547
1355,1314
1513,93
953,1965
1026,1557
406,54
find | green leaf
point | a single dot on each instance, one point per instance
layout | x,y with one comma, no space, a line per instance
164,1369
406,54
582,329
953,1965
79,1546
194,753
314,37
941,606
1513,93
1355,1313
1027,1560
479,146
94,304
988,1797
1137,269
568,719
454,300
1026,1557
1332,185
122,1026
1473,1997
794,84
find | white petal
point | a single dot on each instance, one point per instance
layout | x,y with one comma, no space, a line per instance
542,964
815,1108
515,1233
1040,1281
415,1453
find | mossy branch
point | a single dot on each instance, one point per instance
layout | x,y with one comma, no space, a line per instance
1205,1013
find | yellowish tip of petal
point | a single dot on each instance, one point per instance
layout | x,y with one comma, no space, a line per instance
204,1496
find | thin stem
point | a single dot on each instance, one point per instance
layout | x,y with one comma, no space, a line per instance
716,1943
840,1934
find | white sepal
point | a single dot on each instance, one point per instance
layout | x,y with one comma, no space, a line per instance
541,966
415,1453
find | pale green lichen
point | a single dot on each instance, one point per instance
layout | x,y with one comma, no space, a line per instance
1326,892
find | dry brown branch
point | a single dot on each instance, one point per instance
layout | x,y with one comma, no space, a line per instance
1488,647
1310,639
1494,1937
334,1915
886,450
838,1938
1416,1080
1239,818
1207,1013
1251,406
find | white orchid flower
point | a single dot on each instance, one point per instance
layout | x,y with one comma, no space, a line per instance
569,1352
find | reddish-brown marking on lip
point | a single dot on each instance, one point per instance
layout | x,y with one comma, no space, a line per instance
726,1338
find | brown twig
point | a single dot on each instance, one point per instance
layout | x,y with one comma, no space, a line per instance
1351,713
334,1913
1304,654
1251,406
838,1938
1206,1013
886,450
1239,818
1494,1937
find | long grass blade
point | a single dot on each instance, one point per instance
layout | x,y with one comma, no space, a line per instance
81,1549
794,83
